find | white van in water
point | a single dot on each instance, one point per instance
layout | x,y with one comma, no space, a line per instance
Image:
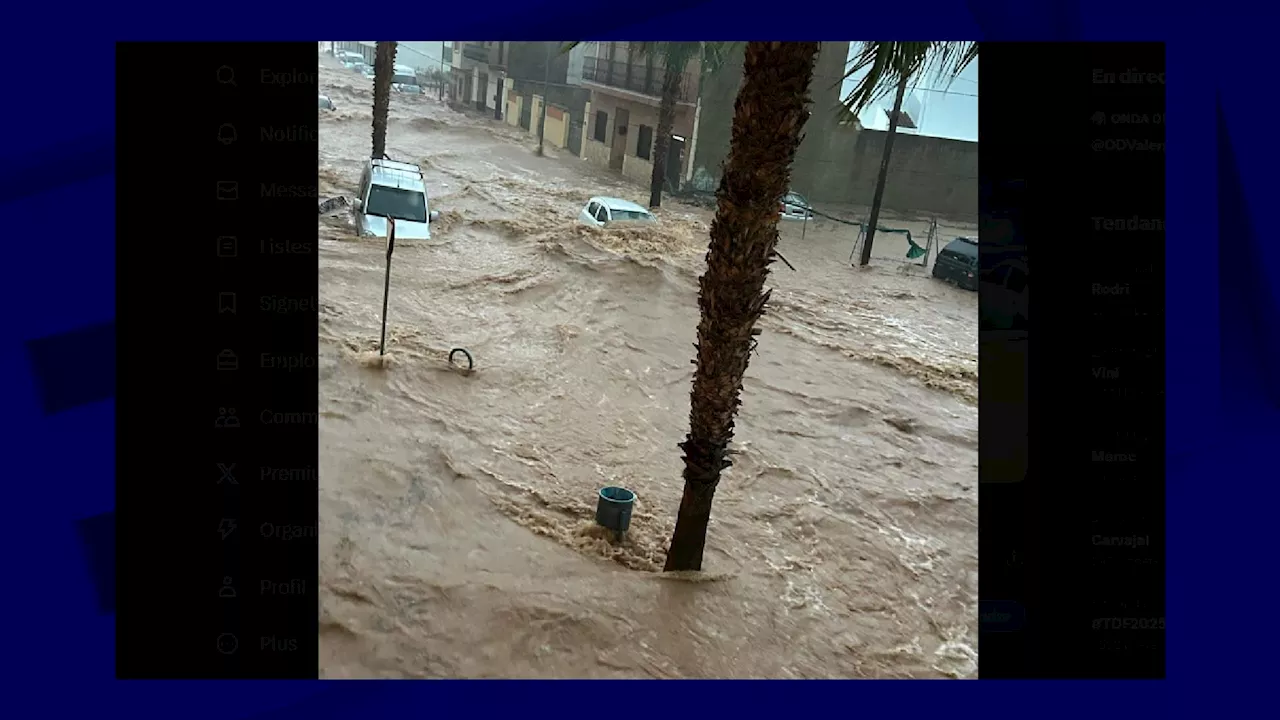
404,75
396,190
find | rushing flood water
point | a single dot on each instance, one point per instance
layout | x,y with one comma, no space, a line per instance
456,508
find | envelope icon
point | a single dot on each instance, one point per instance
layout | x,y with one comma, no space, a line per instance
228,190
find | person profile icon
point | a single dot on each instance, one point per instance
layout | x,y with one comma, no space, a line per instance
226,418
226,591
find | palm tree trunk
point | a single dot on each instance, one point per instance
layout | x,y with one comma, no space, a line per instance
384,64
769,115
874,220
671,78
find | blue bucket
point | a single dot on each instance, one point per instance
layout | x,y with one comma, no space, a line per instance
613,510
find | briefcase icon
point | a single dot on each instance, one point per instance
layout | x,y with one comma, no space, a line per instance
227,360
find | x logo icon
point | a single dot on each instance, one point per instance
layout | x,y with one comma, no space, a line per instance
227,477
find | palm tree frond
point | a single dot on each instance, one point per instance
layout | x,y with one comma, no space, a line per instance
886,63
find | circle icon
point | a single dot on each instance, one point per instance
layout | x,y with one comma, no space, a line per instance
227,643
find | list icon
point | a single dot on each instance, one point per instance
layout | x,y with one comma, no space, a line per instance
227,246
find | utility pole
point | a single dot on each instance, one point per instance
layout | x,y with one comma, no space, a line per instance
884,171
440,92
499,94
546,85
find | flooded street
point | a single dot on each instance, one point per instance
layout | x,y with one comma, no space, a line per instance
456,510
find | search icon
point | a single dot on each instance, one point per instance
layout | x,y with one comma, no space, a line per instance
227,75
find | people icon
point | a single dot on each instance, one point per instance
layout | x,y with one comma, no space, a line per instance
226,591
226,418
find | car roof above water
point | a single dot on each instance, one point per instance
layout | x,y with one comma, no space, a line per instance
963,246
614,203
390,173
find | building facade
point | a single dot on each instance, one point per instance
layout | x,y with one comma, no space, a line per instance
622,118
478,71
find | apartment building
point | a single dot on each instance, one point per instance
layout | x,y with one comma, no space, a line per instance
622,117
479,69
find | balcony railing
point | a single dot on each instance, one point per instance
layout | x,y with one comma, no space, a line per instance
475,51
636,77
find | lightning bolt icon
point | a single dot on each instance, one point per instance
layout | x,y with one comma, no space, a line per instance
226,527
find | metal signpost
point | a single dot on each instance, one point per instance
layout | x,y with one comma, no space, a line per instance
386,288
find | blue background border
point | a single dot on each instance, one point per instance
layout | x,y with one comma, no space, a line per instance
1222,366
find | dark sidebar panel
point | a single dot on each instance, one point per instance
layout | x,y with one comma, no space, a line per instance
217,402
1071,353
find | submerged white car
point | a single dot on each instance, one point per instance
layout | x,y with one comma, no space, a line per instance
390,189
603,211
794,206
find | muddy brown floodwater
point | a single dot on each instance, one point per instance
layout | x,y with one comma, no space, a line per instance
456,510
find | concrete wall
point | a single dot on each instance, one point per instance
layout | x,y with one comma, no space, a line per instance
637,169
510,102
838,163
488,89
595,152
535,114
557,127
719,91
514,103
528,61
927,175
573,99
825,156
825,144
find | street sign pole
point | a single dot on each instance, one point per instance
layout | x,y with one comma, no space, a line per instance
386,288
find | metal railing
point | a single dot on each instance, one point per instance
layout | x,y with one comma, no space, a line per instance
636,77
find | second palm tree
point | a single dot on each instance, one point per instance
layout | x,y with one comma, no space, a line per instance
384,65
769,115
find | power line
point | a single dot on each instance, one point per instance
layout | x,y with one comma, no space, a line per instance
944,92
949,92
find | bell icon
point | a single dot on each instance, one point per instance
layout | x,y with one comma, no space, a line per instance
227,134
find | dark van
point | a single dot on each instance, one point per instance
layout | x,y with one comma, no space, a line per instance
958,263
